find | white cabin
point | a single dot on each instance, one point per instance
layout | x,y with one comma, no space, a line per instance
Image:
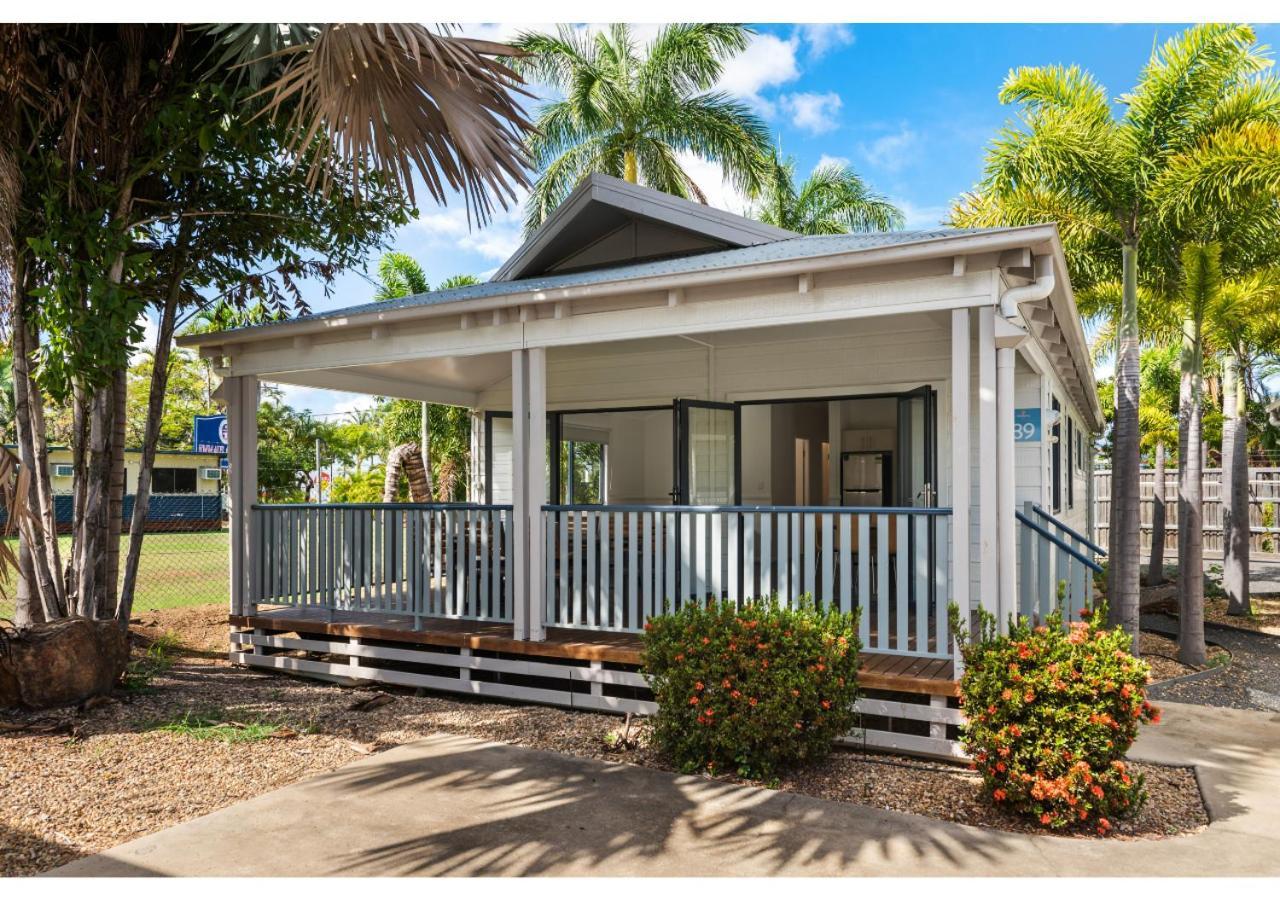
670,404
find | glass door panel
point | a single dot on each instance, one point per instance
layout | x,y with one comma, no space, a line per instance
916,451
708,453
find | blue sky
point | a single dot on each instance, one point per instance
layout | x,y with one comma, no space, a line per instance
911,107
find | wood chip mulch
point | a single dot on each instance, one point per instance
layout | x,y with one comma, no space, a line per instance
76,782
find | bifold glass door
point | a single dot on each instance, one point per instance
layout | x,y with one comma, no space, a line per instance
917,448
707,453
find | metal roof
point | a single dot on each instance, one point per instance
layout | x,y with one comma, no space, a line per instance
796,248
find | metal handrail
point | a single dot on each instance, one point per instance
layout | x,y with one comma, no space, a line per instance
1040,511
1058,542
675,508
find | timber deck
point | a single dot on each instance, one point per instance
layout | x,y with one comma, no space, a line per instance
878,671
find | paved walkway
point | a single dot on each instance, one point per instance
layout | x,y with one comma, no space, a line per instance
1252,681
455,806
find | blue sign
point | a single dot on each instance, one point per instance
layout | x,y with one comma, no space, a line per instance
224,463
1026,424
211,434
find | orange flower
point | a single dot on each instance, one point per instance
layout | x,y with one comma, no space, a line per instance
698,686
1045,818
826,704
752,701
693,701
999,794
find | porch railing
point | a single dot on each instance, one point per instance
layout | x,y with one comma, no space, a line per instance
1053,556
421,560
612,567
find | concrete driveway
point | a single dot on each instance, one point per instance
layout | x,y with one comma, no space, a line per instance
450,805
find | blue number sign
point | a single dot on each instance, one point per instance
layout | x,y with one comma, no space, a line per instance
1026,424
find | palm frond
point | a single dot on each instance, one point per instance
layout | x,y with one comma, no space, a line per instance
400,275
1222,170
395,99
690,57
599,154
716,127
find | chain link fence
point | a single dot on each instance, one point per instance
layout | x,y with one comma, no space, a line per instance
185,552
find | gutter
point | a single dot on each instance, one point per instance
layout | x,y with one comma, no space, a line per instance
1041,288
1043,285
848,259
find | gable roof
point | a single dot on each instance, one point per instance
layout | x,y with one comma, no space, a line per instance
789,250
608,222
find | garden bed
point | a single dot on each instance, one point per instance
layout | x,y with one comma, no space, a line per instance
196,735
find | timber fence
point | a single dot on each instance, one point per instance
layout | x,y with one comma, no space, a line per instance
1264,510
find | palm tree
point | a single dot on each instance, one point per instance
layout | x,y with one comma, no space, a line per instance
1199,114
630,113
1157,417
1246,321
832,200
400,275
1201,291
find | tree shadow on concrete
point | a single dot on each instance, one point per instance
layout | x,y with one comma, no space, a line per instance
520,812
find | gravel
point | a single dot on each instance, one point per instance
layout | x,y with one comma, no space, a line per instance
77,782
1252,681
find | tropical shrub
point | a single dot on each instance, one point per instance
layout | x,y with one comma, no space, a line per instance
751,690
1051,712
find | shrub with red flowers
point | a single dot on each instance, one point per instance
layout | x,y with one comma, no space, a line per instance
751,689
1051,712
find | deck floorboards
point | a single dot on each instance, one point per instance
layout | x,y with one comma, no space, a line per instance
878,671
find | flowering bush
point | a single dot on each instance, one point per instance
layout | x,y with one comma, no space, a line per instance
751,690
1050,713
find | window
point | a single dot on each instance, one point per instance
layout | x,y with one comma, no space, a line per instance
1057,456
173,481
63,470
582,468
1071,478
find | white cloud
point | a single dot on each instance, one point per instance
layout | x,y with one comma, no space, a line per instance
709,176
826,160
921,217
823,37
892,152
497,240
814,113
768,61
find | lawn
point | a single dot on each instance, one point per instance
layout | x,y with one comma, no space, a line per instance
181,569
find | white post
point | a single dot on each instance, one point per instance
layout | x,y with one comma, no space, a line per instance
988,493
961,549
536,491
519,495
241,395
1006,469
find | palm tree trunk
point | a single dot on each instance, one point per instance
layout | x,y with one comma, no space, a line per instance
1191,648
1235,490
1124,550
424,444
1155,566
629,169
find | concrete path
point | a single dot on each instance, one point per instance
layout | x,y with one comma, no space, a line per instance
454,806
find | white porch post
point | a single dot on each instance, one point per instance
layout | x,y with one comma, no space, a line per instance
528,474
961,549
1006,467
988,492
536,487
241,395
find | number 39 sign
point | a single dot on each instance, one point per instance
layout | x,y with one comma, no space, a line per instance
1026,424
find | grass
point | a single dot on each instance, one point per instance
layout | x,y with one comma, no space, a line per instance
227,725
175,569
156,660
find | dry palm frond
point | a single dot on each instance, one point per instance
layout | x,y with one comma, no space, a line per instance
394,98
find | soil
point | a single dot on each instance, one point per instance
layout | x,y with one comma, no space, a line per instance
80,780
